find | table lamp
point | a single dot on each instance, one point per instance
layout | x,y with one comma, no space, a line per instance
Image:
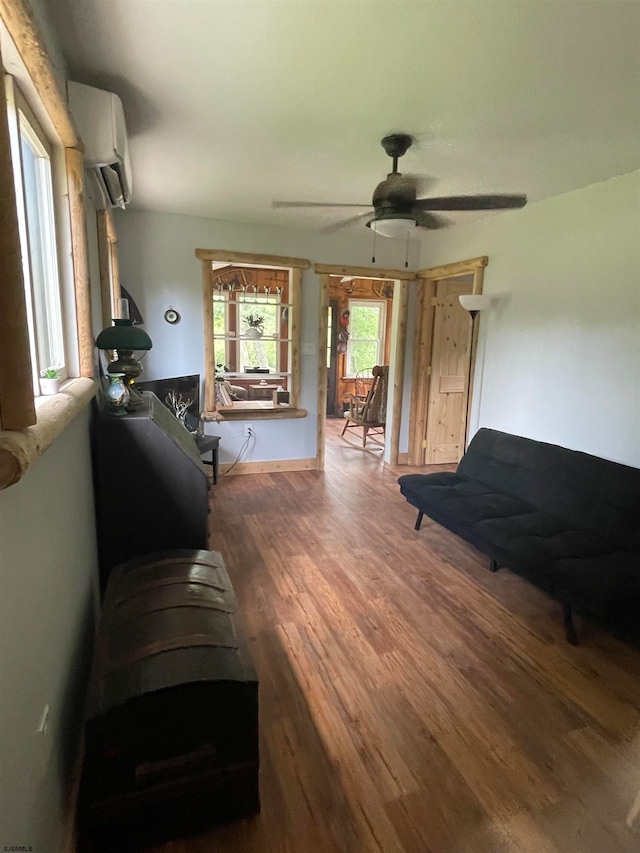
125,338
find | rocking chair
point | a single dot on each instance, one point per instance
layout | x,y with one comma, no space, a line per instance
370,413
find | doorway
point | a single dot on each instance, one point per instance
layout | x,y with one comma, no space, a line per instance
391,289
443,365
359,336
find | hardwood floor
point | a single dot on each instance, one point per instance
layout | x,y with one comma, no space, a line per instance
410,700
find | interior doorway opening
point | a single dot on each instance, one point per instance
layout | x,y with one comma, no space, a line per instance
358,337
363,315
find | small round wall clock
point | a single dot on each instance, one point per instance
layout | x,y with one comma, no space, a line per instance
171,316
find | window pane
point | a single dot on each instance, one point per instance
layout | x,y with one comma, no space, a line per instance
364,321
220,320
363,355
43,262
366,335
259,352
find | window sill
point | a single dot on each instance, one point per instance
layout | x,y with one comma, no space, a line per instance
19,450
253,411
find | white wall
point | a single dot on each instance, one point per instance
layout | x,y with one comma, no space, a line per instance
159,268
48,597
559,351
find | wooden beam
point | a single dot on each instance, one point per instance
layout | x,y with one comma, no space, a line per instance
363,272
295,297
104,261
449,270
17,409
323,327
248,258
209,356
75,181
24,32
421,378
398,371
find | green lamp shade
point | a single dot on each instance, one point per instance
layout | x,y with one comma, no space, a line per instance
123,335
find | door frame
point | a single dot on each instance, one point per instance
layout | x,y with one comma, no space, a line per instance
332,370
402,278
423,342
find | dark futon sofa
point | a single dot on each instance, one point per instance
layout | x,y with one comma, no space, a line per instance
565,520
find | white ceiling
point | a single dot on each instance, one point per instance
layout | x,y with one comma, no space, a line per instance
233,104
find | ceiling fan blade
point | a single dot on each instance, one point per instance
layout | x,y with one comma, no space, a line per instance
428,220
472,202
315,204
338,226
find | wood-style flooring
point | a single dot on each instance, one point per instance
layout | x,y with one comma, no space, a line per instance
410,700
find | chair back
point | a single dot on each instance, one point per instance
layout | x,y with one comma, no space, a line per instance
374,410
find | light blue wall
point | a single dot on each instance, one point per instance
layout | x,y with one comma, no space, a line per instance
559,350
48,599
159,268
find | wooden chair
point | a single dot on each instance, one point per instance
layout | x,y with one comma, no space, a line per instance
370,413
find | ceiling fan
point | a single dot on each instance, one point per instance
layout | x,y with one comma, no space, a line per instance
396,207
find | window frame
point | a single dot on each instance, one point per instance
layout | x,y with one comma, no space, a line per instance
24,52
381,304
25,128
250,410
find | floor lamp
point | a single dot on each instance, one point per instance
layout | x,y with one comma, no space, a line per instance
473,303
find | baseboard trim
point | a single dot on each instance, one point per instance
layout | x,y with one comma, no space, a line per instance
270,466
403,459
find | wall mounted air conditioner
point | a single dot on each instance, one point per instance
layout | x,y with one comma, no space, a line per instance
99,118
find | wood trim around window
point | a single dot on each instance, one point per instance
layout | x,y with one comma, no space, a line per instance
75,183
19,22
295,266
108,265
17,409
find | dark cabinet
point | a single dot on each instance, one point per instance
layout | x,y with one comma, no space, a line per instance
150,484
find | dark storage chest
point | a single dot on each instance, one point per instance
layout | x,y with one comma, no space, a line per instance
171,737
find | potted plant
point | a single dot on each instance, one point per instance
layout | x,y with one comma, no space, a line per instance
221,370
255,326
49,381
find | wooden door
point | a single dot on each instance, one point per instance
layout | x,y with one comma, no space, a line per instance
450,357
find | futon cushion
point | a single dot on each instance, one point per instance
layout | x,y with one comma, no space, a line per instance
587,492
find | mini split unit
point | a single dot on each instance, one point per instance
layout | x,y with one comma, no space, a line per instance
99,119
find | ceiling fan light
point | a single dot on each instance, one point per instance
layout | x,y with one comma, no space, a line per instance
395,225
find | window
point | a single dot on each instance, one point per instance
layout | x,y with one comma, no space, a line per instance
32,164
365,348
252,334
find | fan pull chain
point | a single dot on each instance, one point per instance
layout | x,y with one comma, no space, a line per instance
406,257
373,259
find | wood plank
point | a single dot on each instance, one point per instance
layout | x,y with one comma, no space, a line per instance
363,272
252,259
21,26
323,328
75,183
401,293
295,282
454,269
